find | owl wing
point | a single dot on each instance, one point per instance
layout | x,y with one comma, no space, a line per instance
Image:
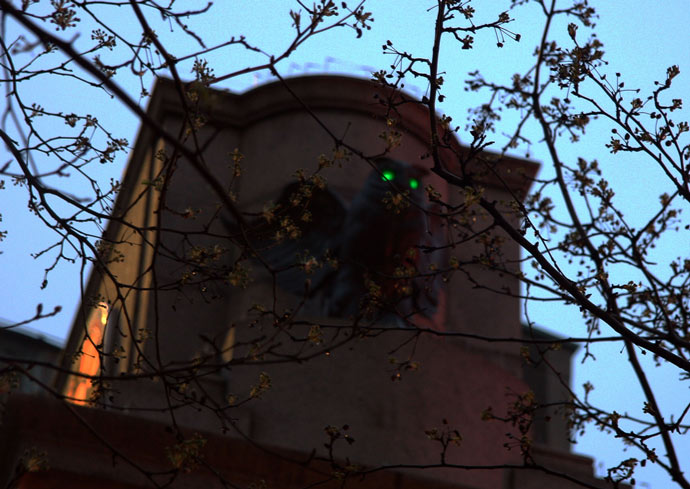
431,258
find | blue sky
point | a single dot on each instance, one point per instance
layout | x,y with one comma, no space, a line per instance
641,40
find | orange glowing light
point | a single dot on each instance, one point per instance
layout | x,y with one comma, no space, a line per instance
79,388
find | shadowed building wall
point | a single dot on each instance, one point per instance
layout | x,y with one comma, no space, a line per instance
390,386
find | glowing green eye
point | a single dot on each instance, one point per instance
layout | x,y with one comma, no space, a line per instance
387,175
414,183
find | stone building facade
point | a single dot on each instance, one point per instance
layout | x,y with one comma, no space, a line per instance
389,404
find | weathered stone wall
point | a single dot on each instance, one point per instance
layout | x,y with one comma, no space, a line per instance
356,385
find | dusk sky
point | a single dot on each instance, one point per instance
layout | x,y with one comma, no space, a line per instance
642,38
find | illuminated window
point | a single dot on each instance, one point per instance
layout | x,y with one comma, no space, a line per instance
80,388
